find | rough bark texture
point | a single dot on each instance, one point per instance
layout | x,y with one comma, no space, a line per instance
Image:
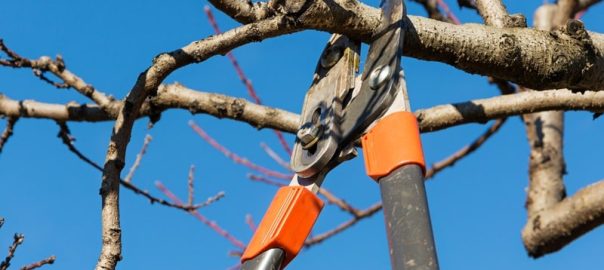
554,222
493,12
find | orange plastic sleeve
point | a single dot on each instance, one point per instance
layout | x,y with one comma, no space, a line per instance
393,142
286,223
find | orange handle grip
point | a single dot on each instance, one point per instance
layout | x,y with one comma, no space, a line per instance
393,142
286,223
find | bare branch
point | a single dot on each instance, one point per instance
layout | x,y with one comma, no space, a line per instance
57,67
275,157
138,159
431,7
8,131
210,223
244,11
482,110
430,119
236,158
265,180
38,264
493,12
67,139
249,220
17,240
551,229
362,215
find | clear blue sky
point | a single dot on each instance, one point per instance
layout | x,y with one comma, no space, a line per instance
52,197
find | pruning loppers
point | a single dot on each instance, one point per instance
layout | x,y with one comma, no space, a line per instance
338,111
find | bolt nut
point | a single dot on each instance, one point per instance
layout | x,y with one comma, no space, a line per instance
309,136
378,77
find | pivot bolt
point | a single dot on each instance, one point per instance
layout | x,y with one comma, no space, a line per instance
378,77
309,136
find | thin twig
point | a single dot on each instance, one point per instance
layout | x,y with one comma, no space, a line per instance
343,226
265,180
8,131
210,223
40,74
138,159
56,67
17,240
67,139
450,14
234,157
465,151
190,187
342,204
49,260
244,79
249,220
272,154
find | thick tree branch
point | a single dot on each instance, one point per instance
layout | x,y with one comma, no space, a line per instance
553,228
430,119
571,58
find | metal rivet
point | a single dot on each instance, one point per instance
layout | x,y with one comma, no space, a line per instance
378,77
331,56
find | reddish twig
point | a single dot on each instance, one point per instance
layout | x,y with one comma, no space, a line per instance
248,84
49,260
249,220
210,223
237,159
450,14
138,159
275,157
8,131
262,179
17,240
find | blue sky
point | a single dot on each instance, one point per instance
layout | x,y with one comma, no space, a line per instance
52,197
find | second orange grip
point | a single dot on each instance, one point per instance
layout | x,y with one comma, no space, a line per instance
286,224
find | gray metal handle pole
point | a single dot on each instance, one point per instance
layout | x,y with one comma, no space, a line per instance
408,220
268,260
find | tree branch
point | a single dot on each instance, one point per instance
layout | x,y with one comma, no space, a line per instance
553,228
38,264
430,119
56,67
493,12
8,131
146,85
